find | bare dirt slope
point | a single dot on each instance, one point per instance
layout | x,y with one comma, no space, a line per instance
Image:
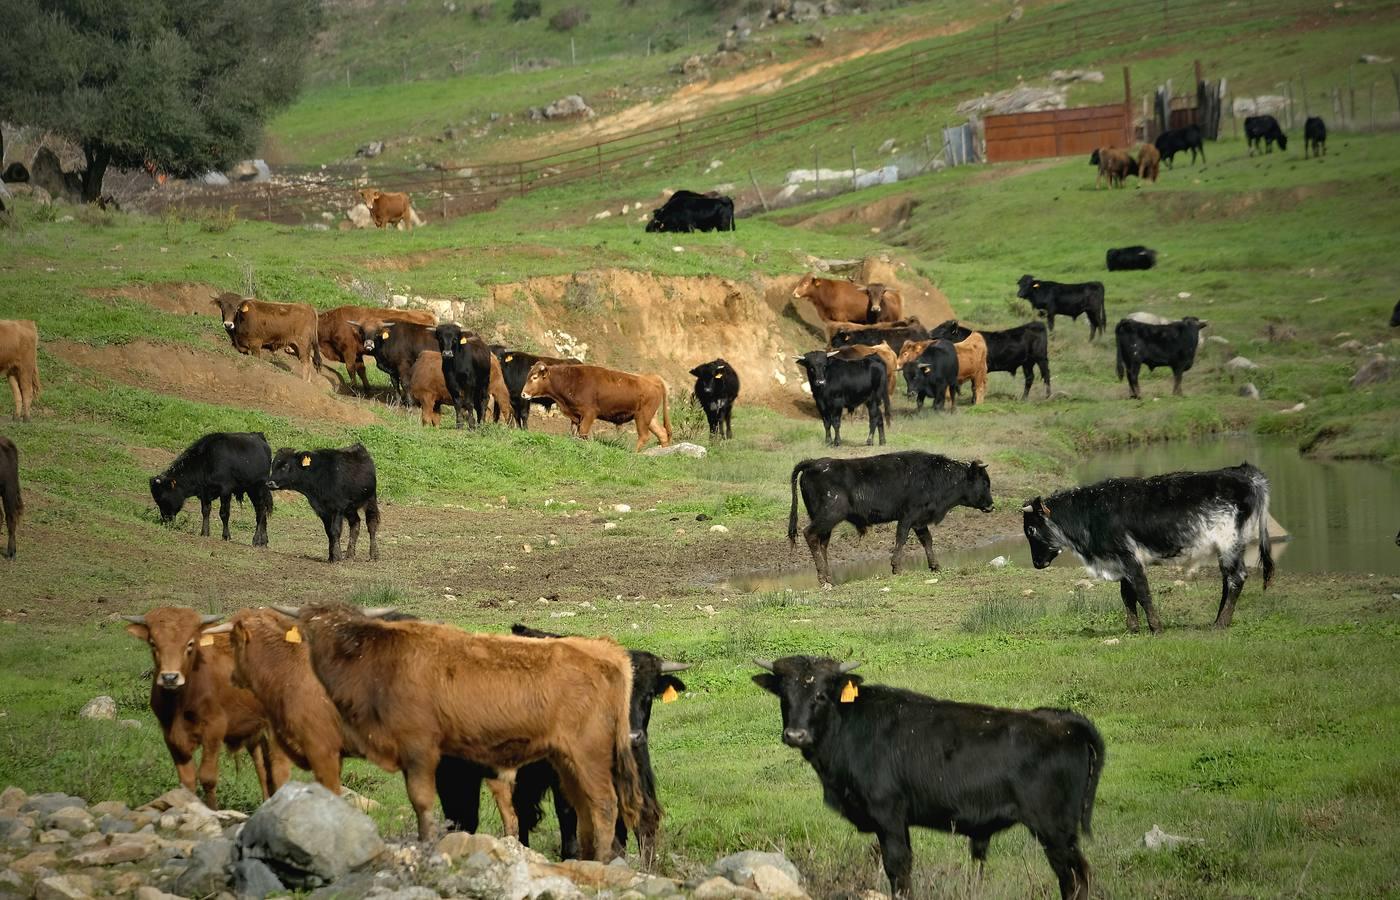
182,298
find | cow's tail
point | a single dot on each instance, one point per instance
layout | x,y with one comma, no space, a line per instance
627,780
316,354
1261,509
1097,753
797,471
666,411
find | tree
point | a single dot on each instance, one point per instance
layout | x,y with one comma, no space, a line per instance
184,85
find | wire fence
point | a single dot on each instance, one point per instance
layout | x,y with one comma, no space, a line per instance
319,194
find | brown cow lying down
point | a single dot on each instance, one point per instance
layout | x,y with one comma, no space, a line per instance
881,350
428,388
498,700
255,326
845,301
19,362
340,343
197,704
388,209
587,393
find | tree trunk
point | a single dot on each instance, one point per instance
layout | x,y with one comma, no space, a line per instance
97,159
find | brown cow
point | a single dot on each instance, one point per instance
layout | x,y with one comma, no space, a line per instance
428,388
586,393
1149,163
197,705
19,362
11,501
255,326
498,700
846,301
882,350
1115,164
339,342
972,364
388,209
886,303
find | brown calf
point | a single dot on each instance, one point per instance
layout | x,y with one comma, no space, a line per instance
882,350
498,700
388,209
845,301
587,393
255,326
19,362
339,342
11,501
1149,162
197,705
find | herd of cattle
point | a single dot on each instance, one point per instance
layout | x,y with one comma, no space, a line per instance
1116,164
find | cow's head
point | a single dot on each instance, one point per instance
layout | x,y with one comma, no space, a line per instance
537,382
948,330
378,336
1025,286
266,645
657,223
369,195
169,496
715,370
1194,325
810,690
910,352
977,491
294,469
174,636
450,338
804,287
815,364
652,677
876,295
1042,533
1282,140
230,305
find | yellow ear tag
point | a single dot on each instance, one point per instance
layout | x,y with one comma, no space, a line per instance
718,376
243,308
206,640
306,462
461,340
292,636
669,695
510,356
383,335
850,692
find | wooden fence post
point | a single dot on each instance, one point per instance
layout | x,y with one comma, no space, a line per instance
267,197
759,190
1351,89
1127,106
1289,117
1395,76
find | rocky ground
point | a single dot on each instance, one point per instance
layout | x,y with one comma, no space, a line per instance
306,840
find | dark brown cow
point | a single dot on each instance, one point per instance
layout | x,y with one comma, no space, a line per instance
19,362
498,700
339,342
1115,164
1149,162
388,209
197,705
11,501
846,301
255,326
587,393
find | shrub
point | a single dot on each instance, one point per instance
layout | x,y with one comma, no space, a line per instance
521,10
568,19
481,12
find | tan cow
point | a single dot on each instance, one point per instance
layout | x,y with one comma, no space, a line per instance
19,362
846,301
587,393
198,706
340,342
972,364
886,303
388,209
254,326
1114,164
882,350
1149,162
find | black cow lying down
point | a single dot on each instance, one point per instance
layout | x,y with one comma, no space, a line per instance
1117,526
1128,259
339,485
688,211
912,489
1171,346
889,758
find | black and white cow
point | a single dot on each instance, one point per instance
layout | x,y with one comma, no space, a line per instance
716,389
1118,526
1052,298
889,759
1263,132
1129,259
219,466
686,211
1171,346
912,488
339,485
840,385
466,368
1022,347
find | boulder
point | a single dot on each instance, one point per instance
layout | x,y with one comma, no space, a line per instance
65,887
370,150
252,878
1250,391
1241,363
739,867
359,216
771,881
12,798
1148,318
254,170
103,707
570,107
179,798
113,854
1157,839
1063,76
309,836
208,869
47,173
1376,370
43,804
684,448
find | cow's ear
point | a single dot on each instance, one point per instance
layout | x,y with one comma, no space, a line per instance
138,631
696,371
668,687
306,460
768,681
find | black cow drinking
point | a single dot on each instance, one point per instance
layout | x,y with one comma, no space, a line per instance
716,389
339,485
1118,526
1171,346
840,385
466,367
1022,347
889,759
218,466
912,489
1051,299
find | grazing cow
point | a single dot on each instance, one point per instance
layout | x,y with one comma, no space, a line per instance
1115,164
466,369
889,758
197,705
840,385
1022,347
341,342
894,334
1179,140
339,485
588,393
11,500
1314,137
1052,298
912,489
1117,526
933,372
716,388
19,363
1125,259
686,211
388,208
886,356
220,465
395,347
1149,163
1170,346
515,368
1262,132
254,326
499,700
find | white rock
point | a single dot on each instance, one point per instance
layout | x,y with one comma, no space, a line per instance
1112,642
102,707
998,562
681,448
609,526
1184,295
1157,839
1296,408
1240,362
622,508
719,529
605,214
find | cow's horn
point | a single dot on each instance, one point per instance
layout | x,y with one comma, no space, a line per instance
378,612
849,666
668,666
219,629
763,663
293,611
210,620
1028,508
135,620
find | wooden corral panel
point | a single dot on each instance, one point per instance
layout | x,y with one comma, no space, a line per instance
1059,132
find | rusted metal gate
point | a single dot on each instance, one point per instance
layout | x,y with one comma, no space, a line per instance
1057,132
